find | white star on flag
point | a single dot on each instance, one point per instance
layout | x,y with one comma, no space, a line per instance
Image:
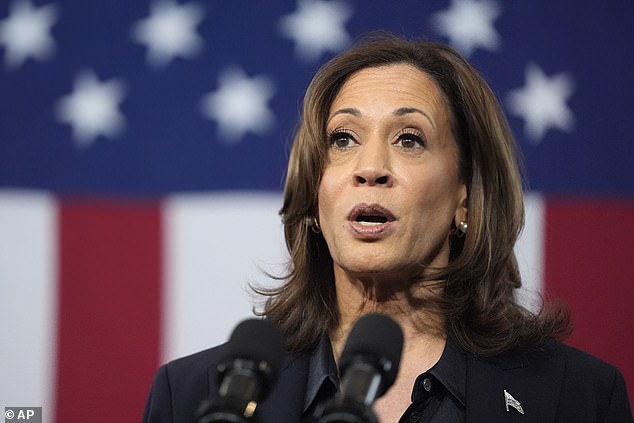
542,102
93,108
240,104
469,25
26,33
316,27
169,31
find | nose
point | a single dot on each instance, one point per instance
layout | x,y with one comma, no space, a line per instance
373,167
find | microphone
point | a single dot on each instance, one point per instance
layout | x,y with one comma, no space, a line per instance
246,374
368,367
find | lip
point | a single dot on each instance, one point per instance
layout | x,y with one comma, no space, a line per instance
379,224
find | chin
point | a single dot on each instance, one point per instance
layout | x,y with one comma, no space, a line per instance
373,267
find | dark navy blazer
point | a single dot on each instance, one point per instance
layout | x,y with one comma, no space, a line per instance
555,384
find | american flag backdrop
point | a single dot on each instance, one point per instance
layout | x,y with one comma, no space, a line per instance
142,154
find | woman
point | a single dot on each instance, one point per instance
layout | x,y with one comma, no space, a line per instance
403,197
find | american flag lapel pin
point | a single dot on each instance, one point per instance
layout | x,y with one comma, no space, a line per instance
509,401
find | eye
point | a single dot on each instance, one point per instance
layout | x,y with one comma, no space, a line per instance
341,139
410,139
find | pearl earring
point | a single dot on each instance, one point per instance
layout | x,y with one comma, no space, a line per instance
462,227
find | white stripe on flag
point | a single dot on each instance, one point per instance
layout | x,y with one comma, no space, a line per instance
530,250
215,244
28,274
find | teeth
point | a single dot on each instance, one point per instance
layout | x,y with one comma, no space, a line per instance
365,223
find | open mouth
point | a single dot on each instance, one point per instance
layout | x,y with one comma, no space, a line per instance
371,219
371,215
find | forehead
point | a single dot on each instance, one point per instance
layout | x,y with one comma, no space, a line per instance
400,84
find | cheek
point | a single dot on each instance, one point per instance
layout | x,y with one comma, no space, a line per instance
438,193
325,197
330,197
328,188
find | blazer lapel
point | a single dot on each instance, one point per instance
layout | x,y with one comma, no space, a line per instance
530,384
286,402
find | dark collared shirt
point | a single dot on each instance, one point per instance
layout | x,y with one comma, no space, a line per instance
438,395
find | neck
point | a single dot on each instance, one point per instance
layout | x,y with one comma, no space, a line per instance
423,329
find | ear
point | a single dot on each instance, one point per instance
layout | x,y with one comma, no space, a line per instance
462,209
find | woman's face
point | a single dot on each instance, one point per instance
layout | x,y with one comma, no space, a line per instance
390,189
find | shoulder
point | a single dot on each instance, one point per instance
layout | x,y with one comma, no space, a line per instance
578,370
181,385
589,385
555,382
553,356
200,363
581,363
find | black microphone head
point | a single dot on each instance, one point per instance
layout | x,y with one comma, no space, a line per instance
257,340
378,339
247,372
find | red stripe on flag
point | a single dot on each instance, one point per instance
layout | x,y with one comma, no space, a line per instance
589,265
109,322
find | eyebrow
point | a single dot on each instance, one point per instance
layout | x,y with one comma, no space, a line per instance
402,111
406,110
348,110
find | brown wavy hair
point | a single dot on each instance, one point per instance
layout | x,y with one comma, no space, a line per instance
478,300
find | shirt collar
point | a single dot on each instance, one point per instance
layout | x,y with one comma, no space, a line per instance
451,370
323,375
